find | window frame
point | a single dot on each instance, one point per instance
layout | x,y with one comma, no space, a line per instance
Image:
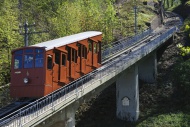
33,58
48,56
19,61
65,59
29,52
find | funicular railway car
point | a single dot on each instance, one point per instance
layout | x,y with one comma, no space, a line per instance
40,69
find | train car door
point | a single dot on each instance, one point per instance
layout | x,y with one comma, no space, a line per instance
56,64
72,58
82,53
99,52
90,53
63,68
49,72
59,67
95,54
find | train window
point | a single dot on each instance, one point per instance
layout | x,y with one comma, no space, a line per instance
18,62
28,61
63,59
95,48
57,57
90,46
39,60
28,50
75,56
84,52
37,50
49,62
69,53
79,50
19,52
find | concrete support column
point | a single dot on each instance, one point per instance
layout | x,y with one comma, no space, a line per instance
148,68
63,118
70,116
127,94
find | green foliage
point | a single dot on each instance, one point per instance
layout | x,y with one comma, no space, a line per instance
9,38
181,78
184,51
77,16
167,120
126,18
171,4
187,27
187,21
188,3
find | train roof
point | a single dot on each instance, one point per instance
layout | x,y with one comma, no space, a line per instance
67,40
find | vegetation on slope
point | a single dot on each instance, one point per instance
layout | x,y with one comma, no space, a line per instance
173,109
184,47
164,104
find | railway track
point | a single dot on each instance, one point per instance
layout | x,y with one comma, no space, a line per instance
126,49
15,107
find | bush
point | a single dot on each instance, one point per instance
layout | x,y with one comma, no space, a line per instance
4,74
184,51
181,78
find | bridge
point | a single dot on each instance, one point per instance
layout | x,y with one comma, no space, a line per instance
125,63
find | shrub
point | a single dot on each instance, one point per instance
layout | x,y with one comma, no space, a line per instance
184,51
181,78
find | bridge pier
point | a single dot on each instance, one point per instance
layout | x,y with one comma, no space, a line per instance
63,118
127,94
148,68
70,116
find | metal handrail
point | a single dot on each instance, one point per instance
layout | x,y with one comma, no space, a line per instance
42,105
124,43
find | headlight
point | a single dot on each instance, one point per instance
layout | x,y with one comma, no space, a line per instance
25,80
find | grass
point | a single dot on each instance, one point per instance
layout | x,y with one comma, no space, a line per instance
179,119
171,8
126,17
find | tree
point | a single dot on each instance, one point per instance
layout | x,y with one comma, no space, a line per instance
8,36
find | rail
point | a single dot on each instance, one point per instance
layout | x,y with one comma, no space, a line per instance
41,106
123,43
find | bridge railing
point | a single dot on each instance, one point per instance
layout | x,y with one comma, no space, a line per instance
123,44
47,103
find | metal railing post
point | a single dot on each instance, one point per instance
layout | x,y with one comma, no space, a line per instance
20,125
52,101
37,108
